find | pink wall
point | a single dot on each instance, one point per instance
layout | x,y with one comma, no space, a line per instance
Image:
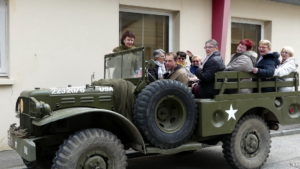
220,21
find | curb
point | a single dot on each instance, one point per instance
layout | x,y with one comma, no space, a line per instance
285,132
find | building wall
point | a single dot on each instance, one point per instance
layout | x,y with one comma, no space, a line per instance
192,20
53,43
281,19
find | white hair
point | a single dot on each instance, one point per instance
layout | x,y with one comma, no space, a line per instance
288,49
158,52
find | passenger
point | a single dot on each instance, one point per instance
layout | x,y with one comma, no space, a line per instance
157,68
182,62
243,60
181,59
132,68
266,63
127,42
174,70
209,66
288,65
196,61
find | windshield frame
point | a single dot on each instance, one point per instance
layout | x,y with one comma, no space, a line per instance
122,53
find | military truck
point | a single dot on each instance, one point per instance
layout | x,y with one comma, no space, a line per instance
92,126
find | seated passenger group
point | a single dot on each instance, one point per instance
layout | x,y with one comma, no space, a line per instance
202,74
266,65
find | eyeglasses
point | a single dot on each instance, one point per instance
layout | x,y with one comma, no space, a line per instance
181,58
194,61
209,47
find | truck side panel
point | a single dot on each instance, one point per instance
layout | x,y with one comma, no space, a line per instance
220,117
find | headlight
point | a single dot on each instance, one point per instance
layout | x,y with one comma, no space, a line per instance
38,108
20,106
32,107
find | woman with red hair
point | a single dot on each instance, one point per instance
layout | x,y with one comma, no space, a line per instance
243,60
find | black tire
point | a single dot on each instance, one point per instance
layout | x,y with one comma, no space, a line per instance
91,148
165,112
248,147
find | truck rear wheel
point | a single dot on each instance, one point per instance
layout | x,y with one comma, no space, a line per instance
89,149
165,112
248,147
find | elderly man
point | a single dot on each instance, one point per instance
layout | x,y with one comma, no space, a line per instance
209,66
175,71
157,67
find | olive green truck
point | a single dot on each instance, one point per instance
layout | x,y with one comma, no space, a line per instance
92,126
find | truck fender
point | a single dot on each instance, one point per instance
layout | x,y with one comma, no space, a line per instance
137,141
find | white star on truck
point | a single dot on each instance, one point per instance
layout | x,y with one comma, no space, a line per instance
231,113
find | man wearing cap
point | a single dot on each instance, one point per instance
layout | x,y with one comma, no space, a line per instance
175,71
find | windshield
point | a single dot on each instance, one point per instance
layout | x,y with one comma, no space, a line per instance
124,65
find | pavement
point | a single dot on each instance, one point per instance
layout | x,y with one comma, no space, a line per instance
286,130
10,160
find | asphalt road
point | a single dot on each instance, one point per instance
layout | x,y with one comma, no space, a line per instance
284,154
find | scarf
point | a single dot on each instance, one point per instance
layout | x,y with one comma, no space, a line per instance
161,69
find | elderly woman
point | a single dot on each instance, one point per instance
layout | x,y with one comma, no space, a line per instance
266,63
288,65
244,59
127,42
196,61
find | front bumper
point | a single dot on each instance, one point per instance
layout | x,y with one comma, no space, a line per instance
25,147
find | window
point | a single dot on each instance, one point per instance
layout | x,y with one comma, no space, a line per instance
3,38
245,30
151,30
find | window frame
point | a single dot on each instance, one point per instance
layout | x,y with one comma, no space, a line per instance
247,21
154,12
250,21
4,71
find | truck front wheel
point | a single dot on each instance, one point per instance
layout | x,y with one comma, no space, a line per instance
248,146
89,149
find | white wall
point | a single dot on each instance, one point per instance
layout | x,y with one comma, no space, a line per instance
55,43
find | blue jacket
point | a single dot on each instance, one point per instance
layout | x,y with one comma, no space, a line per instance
193,69
267,65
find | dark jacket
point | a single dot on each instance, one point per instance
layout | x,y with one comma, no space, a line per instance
153,71
267,65
266,68
206,75
193,69
122,48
